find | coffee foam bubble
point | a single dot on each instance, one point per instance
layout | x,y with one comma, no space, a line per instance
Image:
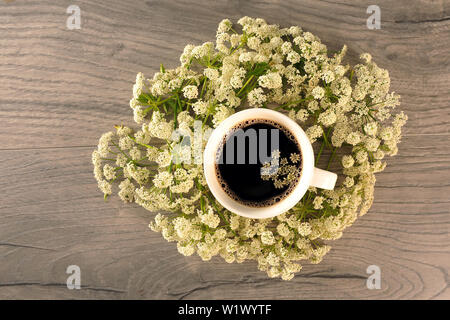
223,183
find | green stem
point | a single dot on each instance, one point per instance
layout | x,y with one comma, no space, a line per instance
246,83
115,144
331,158
143,144
292,103
203,87
320,152
325,136
118,176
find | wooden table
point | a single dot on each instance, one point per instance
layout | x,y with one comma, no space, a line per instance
60,89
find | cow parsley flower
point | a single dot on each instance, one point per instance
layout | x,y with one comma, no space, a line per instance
318,93
347,161
256,97
190,92
346,111
271,81
267,238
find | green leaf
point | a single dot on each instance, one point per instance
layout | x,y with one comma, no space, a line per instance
259,69
142,99
384,147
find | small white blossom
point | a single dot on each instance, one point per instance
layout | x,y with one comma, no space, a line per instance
267,238
256,97
271,80
347,161
190,92
318,92
163,180
304,229
353,138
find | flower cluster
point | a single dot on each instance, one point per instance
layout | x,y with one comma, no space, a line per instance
347,110
282,172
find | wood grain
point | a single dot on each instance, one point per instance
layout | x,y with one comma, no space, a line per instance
60,89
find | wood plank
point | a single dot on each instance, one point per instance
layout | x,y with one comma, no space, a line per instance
52,215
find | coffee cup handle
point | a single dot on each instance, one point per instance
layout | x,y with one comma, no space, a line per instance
323,179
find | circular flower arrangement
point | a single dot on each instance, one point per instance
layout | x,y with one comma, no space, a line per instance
344,109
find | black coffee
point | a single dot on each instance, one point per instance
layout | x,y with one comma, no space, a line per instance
258,162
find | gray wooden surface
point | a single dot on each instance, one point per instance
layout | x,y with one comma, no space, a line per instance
60,89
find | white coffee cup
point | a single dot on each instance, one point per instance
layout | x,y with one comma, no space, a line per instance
310,176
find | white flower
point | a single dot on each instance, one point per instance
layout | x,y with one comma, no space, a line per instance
222,112
304,229
210,219
387,133
293,57
234,222
224,25
286,47
109,172
123,131
139,174
235,39
372,143
254,43
353,138
246,57
182,227
367,57
271,80
138,86
139,114
283,229
273,259
302,115
318,200
327,118
256,97
126,143
211,74
105,187
186,249
134,103
314,132
163,180
126,192
347,161
313,106
135,153
318,93
237,78
159,88
267,238
371,128
121,160
361,156
328,76
142,137
190,92
103,143
348,182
